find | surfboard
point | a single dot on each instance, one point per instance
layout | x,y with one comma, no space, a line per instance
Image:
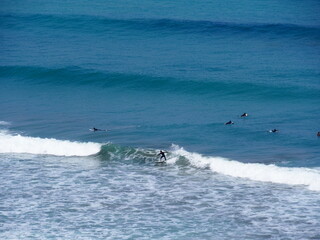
160,162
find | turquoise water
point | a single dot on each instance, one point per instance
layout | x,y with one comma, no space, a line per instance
159,75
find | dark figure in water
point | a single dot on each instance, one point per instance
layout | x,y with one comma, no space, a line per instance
274,130
97,129
162,153
230,122
244,115
318,134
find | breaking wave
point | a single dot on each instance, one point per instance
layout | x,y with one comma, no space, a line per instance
176,156
4,123
253,171
35,145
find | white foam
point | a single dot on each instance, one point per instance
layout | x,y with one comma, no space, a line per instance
35,145
255,171
4,123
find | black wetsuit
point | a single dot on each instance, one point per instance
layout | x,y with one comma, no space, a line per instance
162,155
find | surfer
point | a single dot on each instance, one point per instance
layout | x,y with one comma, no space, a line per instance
97,129
230,122
244,115
162,153
318,134
274,130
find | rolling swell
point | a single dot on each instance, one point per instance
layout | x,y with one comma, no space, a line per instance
94,24
77,77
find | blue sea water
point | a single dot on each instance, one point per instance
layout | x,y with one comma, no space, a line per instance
159,75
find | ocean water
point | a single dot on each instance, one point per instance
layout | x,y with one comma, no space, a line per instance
159,75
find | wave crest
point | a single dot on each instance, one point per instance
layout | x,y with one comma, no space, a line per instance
35,145
253,171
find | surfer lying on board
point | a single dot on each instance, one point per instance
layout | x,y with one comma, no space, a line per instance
97,129
162,153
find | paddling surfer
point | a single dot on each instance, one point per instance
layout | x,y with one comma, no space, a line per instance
97,129
228,123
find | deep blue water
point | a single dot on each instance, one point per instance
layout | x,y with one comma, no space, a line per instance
159,75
